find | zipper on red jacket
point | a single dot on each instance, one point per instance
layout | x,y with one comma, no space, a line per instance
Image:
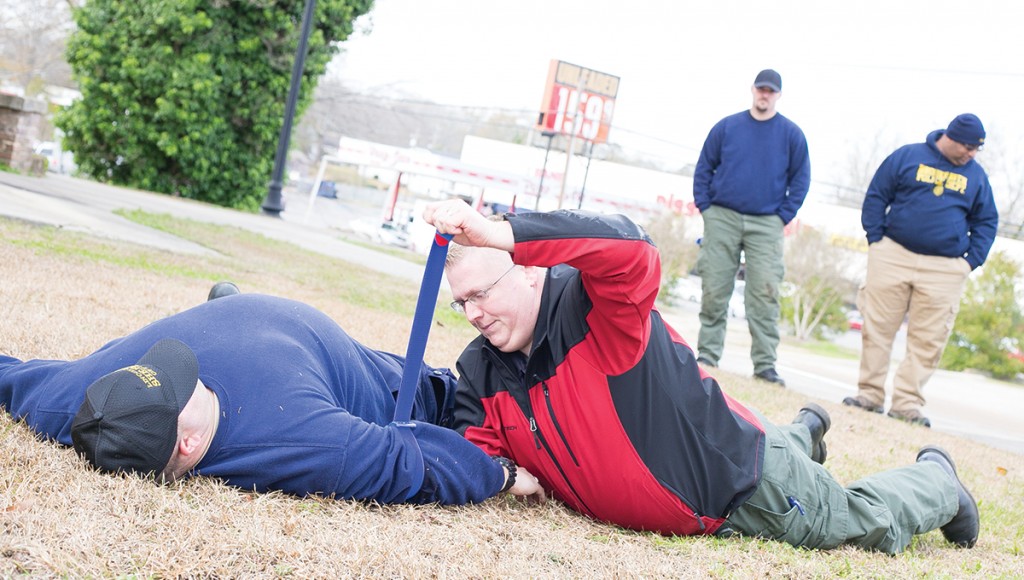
533,429
527,409
700,522
554,421
689,505
551,454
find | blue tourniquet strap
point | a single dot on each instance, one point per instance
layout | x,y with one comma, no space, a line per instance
417,345
416,462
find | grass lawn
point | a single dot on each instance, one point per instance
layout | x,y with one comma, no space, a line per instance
64,294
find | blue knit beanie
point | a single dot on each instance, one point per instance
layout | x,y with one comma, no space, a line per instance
966,129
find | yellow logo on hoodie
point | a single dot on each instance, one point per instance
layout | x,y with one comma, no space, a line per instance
943,180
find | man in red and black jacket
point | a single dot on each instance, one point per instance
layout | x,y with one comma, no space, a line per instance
578,380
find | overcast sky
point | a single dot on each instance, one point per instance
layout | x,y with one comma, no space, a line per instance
853,72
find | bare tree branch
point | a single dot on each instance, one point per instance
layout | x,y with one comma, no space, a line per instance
33,34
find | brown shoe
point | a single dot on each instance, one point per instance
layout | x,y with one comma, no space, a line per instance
862,403
912,416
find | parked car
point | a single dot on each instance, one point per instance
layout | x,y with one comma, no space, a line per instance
854,319
328,189
1012,348
57,160
688,289
48,149
737,306
389,233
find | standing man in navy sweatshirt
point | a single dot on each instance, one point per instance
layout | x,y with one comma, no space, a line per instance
930,220
751,178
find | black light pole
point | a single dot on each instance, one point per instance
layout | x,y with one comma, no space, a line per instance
272,205
550,135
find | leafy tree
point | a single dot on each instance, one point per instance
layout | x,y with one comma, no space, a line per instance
816,284
187,97
990,325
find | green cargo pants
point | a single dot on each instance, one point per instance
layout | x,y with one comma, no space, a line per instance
759,237
799,502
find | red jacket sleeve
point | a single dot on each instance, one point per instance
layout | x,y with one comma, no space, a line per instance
620,270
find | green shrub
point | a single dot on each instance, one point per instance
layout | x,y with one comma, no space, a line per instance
990,326
188,97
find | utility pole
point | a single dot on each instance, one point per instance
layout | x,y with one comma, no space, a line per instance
590,156
569,150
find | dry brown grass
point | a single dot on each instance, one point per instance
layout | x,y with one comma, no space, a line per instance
62,295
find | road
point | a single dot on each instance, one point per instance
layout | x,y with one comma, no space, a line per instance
965,404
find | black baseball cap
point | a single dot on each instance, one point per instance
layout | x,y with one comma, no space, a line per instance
129,419
769,78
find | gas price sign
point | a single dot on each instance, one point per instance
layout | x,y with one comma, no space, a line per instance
578,101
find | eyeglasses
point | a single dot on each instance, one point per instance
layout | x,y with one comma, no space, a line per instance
479,296
972,146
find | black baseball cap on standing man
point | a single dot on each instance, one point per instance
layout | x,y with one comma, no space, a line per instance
129,419
769,78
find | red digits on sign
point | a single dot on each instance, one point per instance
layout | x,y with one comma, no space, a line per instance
592,117
593,110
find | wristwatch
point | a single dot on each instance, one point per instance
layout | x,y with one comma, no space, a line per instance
510,466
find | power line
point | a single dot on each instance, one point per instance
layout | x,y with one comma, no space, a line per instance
527,113
401,105
916,69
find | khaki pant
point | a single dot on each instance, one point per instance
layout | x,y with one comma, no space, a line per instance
900,282
759,237
800,503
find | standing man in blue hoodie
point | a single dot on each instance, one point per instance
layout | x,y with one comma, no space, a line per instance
751,178
930,220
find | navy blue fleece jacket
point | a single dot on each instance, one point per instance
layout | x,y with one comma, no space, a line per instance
753,167
304,407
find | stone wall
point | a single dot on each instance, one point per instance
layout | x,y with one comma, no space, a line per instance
20,121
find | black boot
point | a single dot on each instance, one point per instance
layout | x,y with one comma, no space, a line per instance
817,421
222,289
770,376
963,529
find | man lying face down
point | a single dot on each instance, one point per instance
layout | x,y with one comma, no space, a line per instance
262,392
